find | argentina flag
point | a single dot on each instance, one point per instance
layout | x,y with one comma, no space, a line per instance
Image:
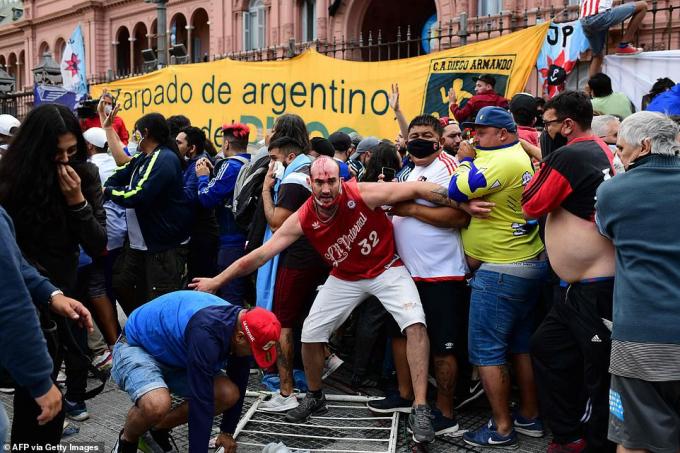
73,64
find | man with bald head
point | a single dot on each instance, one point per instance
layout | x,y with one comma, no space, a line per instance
345,223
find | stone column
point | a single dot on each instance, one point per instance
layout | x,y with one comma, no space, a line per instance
322,20
132,54
188,43
114,56
287,25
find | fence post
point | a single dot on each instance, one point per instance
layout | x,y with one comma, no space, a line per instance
291,47
462,28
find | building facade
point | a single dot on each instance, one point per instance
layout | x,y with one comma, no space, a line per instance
116,32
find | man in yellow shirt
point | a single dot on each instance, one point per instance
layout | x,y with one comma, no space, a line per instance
507,255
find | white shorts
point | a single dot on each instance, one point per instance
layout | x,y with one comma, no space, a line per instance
394,288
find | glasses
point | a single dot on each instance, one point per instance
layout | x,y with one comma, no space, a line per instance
547,123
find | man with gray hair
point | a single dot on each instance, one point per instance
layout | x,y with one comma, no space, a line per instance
645,353
607,128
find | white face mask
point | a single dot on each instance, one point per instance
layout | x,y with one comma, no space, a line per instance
108,109
618,165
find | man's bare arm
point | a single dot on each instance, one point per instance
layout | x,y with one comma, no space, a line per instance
377,194
439,216
289,232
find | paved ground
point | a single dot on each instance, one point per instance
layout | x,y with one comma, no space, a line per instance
108,412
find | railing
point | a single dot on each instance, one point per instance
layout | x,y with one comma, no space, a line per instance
660,31
17,104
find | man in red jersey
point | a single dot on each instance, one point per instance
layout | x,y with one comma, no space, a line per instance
344,222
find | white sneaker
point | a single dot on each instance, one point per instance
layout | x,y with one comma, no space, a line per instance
61,377
279,403
333,362
103,361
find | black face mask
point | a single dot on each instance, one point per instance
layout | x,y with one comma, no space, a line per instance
421,148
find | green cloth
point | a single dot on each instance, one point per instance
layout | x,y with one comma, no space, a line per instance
614,104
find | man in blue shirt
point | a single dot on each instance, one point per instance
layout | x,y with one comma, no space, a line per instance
180,343
219,193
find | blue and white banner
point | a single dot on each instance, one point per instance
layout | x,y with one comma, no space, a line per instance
73,64
49,94
561,50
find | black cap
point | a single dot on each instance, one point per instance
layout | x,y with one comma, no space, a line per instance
340,141
523,101
322,146
486,78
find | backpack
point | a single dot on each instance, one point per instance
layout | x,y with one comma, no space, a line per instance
248,189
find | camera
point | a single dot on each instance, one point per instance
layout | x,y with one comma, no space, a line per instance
87,108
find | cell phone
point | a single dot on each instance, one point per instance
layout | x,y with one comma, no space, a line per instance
388,173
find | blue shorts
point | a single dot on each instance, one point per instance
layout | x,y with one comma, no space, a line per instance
137,372
597,26
501,315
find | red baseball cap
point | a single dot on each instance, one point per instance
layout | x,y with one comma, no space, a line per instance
262,330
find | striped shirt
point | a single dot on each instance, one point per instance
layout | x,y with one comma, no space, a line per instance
592,7
654,362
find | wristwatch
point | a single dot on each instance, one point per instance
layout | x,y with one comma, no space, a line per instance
54,293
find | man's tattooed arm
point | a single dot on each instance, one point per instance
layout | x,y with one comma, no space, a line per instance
440,196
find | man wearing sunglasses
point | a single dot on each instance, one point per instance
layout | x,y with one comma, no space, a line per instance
570,349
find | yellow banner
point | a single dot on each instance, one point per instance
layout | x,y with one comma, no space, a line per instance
329,94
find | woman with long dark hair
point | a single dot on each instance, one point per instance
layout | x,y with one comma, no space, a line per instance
385,155
54,198
151,188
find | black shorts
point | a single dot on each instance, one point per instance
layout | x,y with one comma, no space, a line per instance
92,279
645,415
445,306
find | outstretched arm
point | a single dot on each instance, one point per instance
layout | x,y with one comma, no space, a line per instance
377,194
289,232
112,137
394,104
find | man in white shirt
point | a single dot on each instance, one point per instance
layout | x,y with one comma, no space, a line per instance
430,246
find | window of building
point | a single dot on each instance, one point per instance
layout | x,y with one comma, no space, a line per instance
489,7
308,12
573,2
253,26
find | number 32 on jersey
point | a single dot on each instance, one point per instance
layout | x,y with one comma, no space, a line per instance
368,244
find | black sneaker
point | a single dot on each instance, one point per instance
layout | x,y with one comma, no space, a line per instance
123,446
157,441
466,394
390,404
308,406
420,424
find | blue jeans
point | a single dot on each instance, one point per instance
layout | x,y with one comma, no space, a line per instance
137,372
597,26
501,315
4,425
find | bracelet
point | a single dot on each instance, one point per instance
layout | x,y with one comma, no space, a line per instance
52,296
80,208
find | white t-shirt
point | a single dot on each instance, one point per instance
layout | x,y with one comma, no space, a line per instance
431,253
106,165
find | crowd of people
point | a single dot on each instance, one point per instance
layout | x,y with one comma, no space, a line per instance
516,242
